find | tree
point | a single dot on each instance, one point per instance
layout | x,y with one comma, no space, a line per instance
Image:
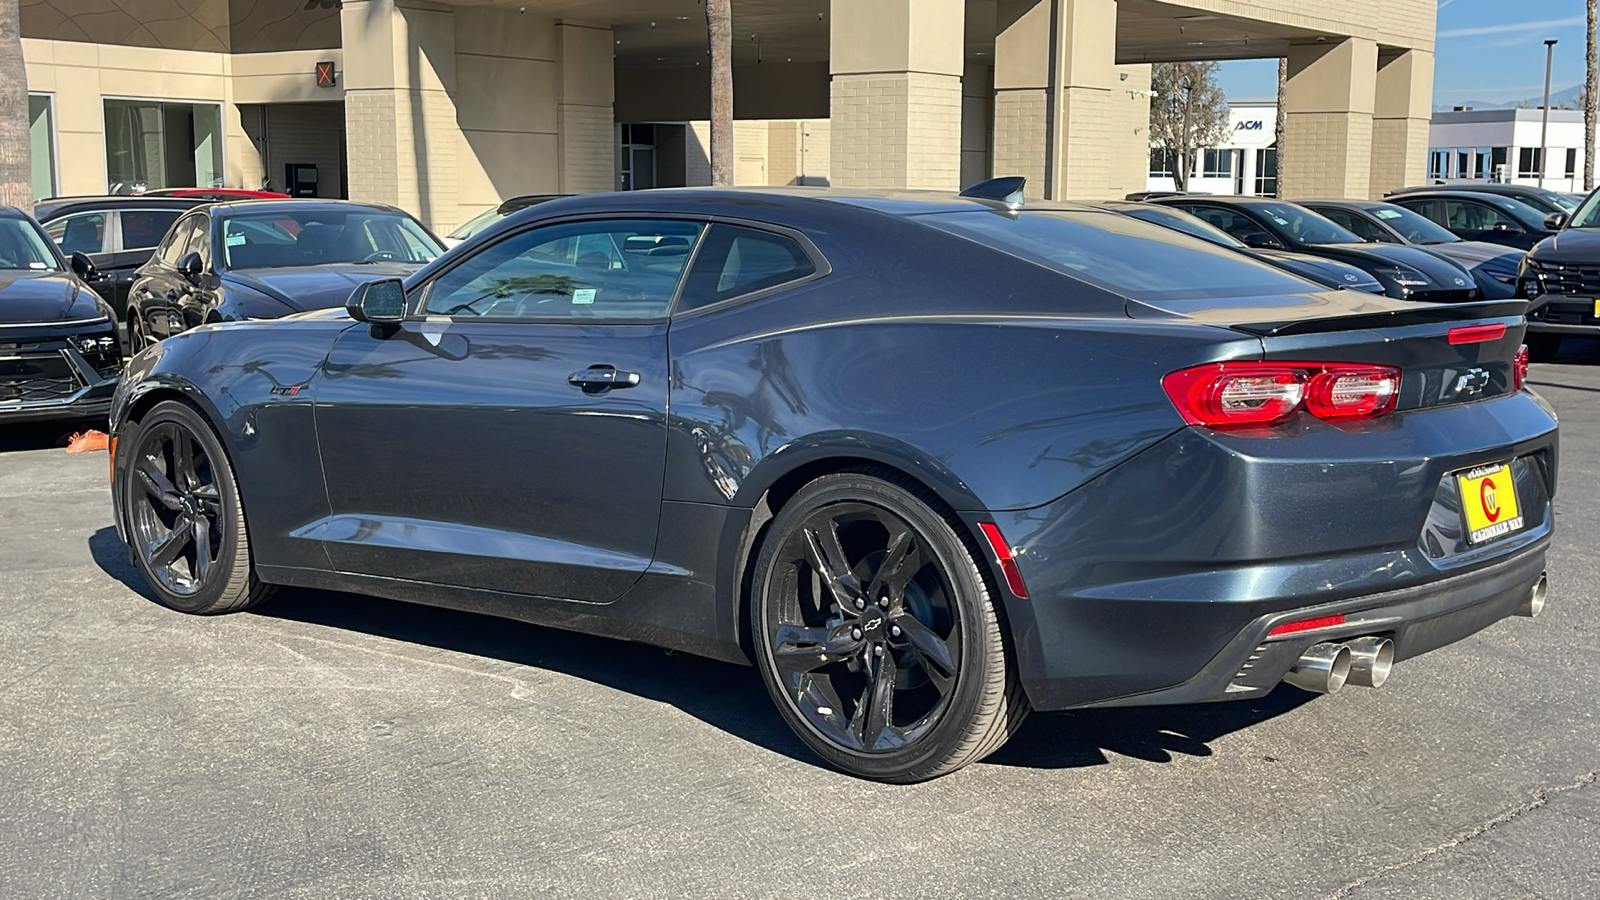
1187,113
1591,87
16,162
719,25
1283,119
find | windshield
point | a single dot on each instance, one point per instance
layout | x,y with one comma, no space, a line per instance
1588,214
477,223
1115,252
1303,226
1413,226
1178,220
293,237
23,247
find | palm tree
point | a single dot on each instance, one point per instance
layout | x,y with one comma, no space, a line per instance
1278,126
16,164
1591,87
719,25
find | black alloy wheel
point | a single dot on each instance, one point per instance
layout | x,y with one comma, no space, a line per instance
876,632
184,518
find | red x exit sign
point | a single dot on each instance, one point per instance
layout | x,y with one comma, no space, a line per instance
325,75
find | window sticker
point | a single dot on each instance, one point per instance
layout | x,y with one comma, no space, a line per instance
234,240
1387,214
583,296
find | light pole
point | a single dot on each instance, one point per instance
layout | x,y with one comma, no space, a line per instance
1544,124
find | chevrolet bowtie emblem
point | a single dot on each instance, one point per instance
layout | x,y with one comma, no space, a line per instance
1473,382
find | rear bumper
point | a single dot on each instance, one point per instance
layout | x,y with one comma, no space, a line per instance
1157,582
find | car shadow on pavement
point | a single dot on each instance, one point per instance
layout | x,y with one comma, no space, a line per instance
727,696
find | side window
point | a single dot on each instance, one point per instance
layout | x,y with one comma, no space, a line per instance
80,233
737,261
605,269
1470,216
201,242
143,228
171,249
1361,225
1226,219
1423,208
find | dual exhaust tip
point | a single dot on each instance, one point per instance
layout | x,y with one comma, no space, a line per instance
1327,667
1366,661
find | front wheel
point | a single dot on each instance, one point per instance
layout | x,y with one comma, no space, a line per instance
184,519
876,633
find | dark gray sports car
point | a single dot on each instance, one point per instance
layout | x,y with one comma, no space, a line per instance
928,461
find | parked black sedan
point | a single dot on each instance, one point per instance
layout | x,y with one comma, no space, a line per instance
1493,266
1406,272
1326,272
59,352
927,460
118,234
1483,217
262,259
1544,200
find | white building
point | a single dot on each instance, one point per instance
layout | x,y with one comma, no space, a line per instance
1247,163
1503,145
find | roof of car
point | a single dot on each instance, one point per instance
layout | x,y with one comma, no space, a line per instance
52,206
303,205
753,201
1345,203
1223,199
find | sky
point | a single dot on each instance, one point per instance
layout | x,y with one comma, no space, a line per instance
1488,50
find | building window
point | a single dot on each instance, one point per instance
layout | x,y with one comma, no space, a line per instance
1217,164
636,158
154,144
1267,172
1529,162
1163,163
1463,163
1572,162
1485,168
42,137
1438,161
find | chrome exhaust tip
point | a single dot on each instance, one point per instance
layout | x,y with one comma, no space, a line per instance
1533,604
1321,670
1371,658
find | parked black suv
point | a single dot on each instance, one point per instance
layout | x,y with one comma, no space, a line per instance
117,234
1561,278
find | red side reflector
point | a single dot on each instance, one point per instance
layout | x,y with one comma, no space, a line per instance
1519,368
1307,625
1474,334
1002,552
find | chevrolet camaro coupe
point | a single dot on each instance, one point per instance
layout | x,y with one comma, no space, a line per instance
928,461
59,351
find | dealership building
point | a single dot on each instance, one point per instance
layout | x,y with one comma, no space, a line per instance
446,108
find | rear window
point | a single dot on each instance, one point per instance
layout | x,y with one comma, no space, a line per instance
1122,255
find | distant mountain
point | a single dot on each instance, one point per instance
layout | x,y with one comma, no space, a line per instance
1565,98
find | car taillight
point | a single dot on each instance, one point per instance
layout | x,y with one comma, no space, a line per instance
1239,394
1519,368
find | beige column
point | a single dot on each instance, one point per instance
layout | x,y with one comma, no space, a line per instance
1402,108
1328,104
1085,42
584,129
400,119
895,94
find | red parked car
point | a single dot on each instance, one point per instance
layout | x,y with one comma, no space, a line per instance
217,194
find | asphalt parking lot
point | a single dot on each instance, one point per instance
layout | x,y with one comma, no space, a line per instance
332,746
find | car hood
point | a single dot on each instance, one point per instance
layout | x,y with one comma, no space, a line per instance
1340,273
29,297
1440,271
315,287
1475,253
1570,245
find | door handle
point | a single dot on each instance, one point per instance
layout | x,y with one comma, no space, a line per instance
597,379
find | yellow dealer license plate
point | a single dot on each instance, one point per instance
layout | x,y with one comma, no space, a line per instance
1597,309
1489,500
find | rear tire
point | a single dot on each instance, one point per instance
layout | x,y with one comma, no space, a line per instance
185,522
877,633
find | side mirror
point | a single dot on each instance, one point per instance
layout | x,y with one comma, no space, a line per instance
83,267
191,265
1554,221
1260,240
378,302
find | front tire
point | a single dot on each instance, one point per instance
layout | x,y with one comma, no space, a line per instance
185,523
876,632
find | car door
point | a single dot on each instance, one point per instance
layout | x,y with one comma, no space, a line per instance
510,434
136,235
1477,221
154,296
88,233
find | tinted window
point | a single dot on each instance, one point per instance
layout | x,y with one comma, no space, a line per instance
79,233
1357,225
737,261
1424,208
1467,215
1235,224
1588,214
614,268
1123,255
172,246
1417,229
1302,225
21,247
1184,222
143,228
317,236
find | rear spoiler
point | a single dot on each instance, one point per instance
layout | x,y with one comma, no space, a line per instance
1419,314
